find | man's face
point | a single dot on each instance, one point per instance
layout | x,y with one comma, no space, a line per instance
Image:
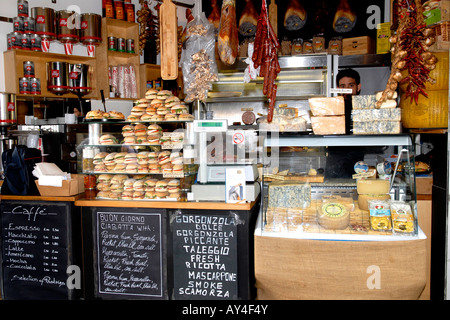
349,83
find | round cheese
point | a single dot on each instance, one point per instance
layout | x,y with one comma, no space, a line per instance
363,199
334,215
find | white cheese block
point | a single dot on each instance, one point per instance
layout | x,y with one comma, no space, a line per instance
372,186
359,115
376,127
289,195
327,106
369,102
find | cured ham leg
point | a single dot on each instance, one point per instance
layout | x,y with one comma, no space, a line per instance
295,16
248,20
345,18
214,17
228,37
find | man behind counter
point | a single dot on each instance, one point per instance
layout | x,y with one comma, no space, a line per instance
341,160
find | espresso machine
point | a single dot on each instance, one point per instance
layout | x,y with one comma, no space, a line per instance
8,119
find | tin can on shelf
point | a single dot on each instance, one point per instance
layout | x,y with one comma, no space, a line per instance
29,25
16,40
130,45
112,43
35,84
18,24
121,44
28,69
35,42
8,39
26,41
24,85
22,8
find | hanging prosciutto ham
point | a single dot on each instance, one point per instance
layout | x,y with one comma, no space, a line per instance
228,37
248,20
295,16
345,18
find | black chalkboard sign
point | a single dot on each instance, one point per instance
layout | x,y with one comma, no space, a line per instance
130,260
205,256
35,255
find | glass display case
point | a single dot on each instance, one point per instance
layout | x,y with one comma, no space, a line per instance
137,160
344,187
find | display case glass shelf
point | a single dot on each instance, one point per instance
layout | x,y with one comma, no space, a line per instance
366,189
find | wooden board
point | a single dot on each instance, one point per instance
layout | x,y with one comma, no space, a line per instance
273,15
168,40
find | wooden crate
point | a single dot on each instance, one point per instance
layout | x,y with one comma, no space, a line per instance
358,45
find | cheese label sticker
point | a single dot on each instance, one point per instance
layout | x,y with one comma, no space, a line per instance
334,210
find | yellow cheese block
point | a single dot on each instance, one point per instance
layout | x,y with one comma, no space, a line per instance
363,199
328,125
372,186
327,106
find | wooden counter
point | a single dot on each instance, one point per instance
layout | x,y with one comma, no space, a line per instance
81,201
41,198
165,204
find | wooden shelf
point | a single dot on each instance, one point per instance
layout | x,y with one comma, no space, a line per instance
106,58
13,62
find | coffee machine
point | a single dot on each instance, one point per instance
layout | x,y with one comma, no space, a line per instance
8,119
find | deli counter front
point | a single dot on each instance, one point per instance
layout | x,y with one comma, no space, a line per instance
353,235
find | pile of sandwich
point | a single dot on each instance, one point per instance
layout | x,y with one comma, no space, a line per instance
159,105
100,115
152,135
165,162
139,187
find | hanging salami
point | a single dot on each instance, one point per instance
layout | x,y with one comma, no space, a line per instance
228,37
265,56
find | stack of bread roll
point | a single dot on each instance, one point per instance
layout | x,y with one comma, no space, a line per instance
159,105
137,187
165,162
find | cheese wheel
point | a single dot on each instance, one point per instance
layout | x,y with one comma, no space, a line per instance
363,199
372,186
334,215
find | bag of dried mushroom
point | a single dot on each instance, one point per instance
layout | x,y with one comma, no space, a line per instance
198,59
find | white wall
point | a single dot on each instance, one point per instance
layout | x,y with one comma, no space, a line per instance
8,8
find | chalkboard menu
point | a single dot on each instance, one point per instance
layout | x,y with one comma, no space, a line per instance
35,254
205,256
130,261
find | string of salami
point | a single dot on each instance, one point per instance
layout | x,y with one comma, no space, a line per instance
265,56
